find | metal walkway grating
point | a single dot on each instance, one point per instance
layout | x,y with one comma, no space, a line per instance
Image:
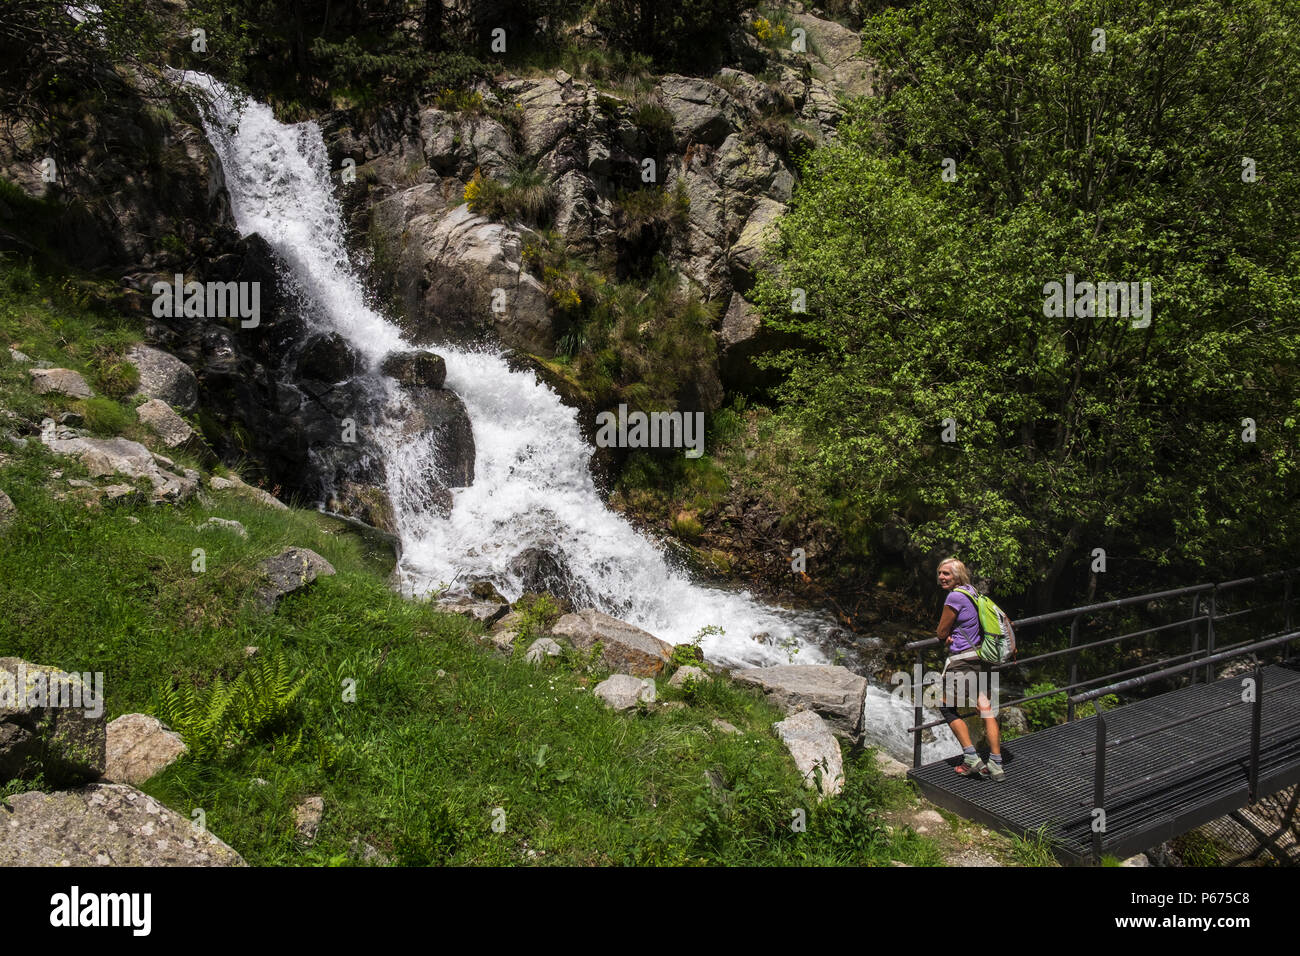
1050,782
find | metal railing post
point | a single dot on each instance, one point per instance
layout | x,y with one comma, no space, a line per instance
1099,789
918,717
1074,666
1256,719
1196,627
1286,602
1209,632
1286,609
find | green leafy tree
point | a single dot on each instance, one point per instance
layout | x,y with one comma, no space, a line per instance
926,294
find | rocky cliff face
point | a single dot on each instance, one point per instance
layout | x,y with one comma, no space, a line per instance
277,396
728,143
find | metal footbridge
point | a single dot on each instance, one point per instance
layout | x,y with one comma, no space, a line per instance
1181,739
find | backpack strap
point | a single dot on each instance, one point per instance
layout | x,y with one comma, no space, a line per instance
979,625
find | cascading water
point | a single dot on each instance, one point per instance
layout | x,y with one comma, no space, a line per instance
532,485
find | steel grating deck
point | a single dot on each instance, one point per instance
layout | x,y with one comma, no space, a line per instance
1050,782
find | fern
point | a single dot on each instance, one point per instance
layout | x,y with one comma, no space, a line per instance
230,714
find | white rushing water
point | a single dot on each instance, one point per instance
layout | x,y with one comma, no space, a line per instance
532,485
532,482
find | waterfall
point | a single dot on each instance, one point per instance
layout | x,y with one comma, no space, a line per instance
532,483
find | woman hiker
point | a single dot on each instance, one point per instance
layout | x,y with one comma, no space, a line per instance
959,627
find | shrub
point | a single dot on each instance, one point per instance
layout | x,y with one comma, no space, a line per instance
1050,711
458,101
112,375
538,612
525,195
105,417
686,525
653,120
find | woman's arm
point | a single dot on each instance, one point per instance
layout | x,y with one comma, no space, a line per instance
946,623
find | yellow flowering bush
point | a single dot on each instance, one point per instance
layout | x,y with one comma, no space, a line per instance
769,32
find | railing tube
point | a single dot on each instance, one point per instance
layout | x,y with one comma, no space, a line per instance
1195,627
1209,633
1074,665
1256,719
1286,608
1099,789
1286,601
918,716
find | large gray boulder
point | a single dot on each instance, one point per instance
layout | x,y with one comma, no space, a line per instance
742,338
329,358
290,571
548,111
836,55
623,691
485,612
240,487
120,456
104,825
538,570
815,750
436,417
750,166
164,376
174,431
702,112
749,249
368,504
712,220
450,268
59,381
7,510
51,723
688,674
456,143
834,692
624,647
577,205
823,108
139,746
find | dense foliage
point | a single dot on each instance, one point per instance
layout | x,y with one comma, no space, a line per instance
54,58
926,294
674,34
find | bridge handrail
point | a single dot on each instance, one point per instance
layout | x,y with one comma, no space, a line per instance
1208,614
1120,687
1072,612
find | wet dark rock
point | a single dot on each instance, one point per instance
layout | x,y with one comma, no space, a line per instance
329,358
540,571
416,368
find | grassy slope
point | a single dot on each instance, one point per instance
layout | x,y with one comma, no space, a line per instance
441,732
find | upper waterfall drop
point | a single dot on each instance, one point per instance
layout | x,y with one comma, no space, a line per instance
278,177
532,483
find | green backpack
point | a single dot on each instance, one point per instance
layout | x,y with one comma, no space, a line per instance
997,640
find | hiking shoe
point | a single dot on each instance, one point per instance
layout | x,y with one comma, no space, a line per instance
972,766
995,771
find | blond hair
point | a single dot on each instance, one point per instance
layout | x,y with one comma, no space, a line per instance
959,572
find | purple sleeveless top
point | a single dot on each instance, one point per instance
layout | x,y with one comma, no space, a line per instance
966,632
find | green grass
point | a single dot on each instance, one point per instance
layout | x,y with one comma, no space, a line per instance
441,732
1033,849
418,738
